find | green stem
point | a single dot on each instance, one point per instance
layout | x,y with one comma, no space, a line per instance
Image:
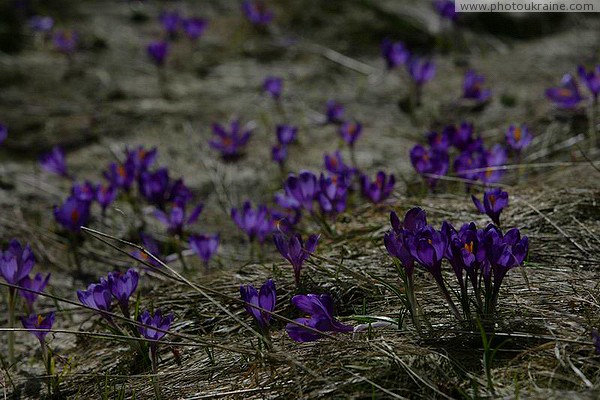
155,382
412,301
449,299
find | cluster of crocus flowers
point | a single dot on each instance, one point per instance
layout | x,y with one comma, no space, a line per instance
319,318
473,88
257,12
230,142
296,251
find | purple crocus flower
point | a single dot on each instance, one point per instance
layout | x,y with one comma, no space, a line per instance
286,134
462,137
291,213
73,214
439,141
394,53
39,324
567,94
84,191
466,252
266,299
230,143
54,162
466,166
154,325
176,219
335,164
421,71
428,248
334,112
96,296
495,157
273,86
205,246
158,52
494,201
415,219
122,286
430,162
65,41
37,284
140,159
591,79
151,245
16,262
106,195
154,186
320,317
279,153
257,12
303,188
41,23
194,27
394,241
379,189
3,133
518,137
350,132
171,22
296,251
121,175
446,10
332,194
257,224
472,87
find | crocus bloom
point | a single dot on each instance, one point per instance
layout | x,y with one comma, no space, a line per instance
445,8
296,251
567,94
495,157
394,53
176,219
266,299
121,175
65,41
350,132
106,195
414,220
273,86
122,286
154,186
39,325
303,188
439,141
279,153
170,21
152,323
286,134
96,296
380,189
257,12
158,51
494,201
140,158
16,262
72,214
591,79
332,194
472,87
466,166
54,162
37,284
230,143
335,164
3,133
151,245
205,246
257,224
320,317
41,23
194,27
431,162
84,192
334,112
462,137
518,137
421,71
428,247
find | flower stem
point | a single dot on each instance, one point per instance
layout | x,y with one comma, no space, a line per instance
412,301
11,324
154,360
448,299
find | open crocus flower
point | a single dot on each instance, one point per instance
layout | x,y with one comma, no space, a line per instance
319,309
302,188
350,132
472,87
335,164
194,27
430,162
158,51
494,201
439,141
466,165
394,53
65,41
421,71
3,133
567,94
176,218
518,137
591,79
446,10
266,299
73,214
170,22
154,325
286,134
257,224
140,158
39,325
379,189
230,143
273,86
96,296
121,175
54,162
37,284
105,195
296,251
16,262
205,246
257,12
122,286
334,112
332,194
84,191
495,157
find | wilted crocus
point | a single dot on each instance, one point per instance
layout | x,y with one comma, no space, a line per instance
84,191
286,134
16,262
421,71
567,94
41,23
170,22
65,41
37,284
96,296
332,194
194,27
257,224
379,189
230,143
39,325
296,251
106,195
54,162
266,299
205,246
394,53
350,132
176,219
121,175
303,188
494,201
273,86
3,133
320,317
518,137
72,214
257,12
122,286
430,162
279,154
472,87
158,52
334,112
591,79
445,8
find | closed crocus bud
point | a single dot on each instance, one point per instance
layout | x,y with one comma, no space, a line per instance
266,299
158,52
54,162
205,246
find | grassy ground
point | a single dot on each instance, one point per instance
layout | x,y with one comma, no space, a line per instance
108,98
